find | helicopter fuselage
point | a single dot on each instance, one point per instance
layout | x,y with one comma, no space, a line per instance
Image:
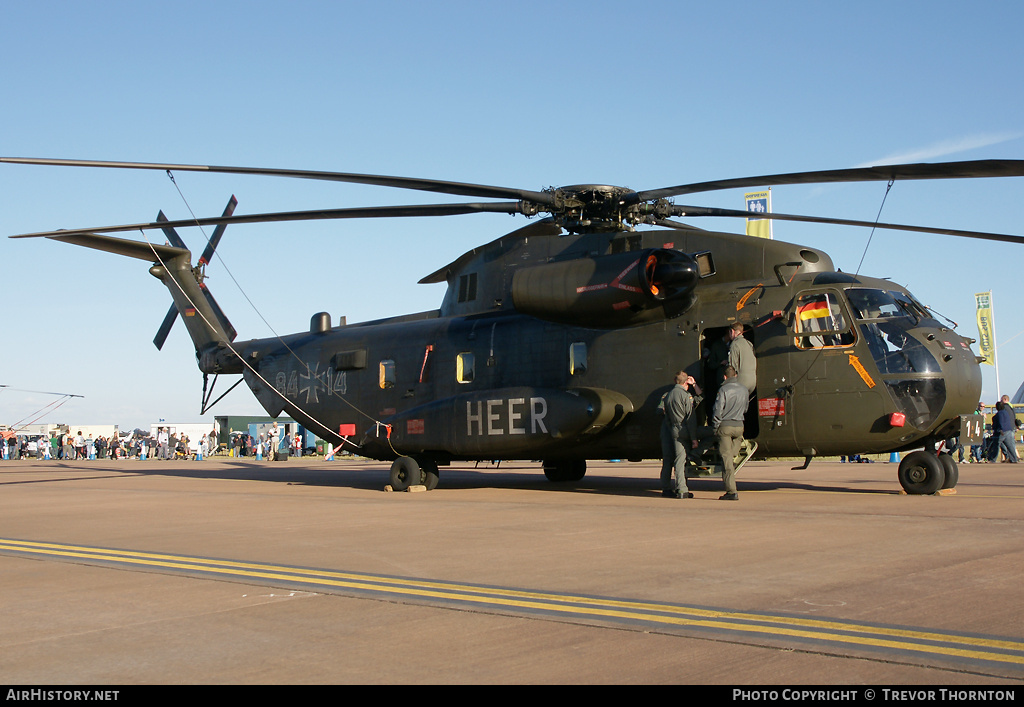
845,364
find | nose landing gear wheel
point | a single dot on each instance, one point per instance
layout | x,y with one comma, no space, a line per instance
950,469
921,472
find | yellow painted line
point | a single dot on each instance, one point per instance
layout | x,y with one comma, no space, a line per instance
970,647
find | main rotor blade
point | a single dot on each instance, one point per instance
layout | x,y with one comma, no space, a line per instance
691,211
122,246
431,185
509,207
882,173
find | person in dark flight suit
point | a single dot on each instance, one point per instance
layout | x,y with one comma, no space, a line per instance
678,434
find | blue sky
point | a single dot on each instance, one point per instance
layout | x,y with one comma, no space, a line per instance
528,94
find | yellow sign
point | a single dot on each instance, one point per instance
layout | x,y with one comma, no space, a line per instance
986,327
863,372
759,202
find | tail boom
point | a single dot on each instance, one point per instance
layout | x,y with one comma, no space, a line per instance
209,328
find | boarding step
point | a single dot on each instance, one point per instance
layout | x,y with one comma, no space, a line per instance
710,461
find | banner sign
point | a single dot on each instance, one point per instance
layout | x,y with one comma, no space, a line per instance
986,327
759,202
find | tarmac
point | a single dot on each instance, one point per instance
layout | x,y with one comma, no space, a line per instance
301,572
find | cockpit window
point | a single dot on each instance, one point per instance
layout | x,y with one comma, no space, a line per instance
820,322
920,399
869,305
895,350
873,304
911,306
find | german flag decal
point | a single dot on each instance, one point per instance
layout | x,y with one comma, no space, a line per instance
817,309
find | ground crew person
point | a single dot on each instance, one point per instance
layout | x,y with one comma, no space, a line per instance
727,424
678,433
741,357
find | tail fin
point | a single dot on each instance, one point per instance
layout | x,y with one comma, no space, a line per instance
203,318
204,259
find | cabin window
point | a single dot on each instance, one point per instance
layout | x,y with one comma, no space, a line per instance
465,367
387,374
467,287
820,322
577,358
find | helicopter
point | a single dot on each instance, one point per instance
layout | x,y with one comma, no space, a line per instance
556,341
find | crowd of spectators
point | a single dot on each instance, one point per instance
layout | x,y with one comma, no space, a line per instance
71,445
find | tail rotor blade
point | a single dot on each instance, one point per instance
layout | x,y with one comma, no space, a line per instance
165,328
172,236
218,232
211,246
219,313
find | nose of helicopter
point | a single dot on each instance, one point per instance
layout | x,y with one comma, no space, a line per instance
934,398
930,371
961,370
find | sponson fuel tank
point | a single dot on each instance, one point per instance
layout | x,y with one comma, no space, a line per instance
608,291
510,421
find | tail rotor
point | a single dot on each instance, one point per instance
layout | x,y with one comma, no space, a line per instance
207,256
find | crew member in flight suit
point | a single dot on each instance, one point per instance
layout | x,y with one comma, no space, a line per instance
741,357
678,434
727,423
714,366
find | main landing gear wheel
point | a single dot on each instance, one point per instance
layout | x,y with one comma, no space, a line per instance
921,472
429,475
951,470
565,470
405,472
